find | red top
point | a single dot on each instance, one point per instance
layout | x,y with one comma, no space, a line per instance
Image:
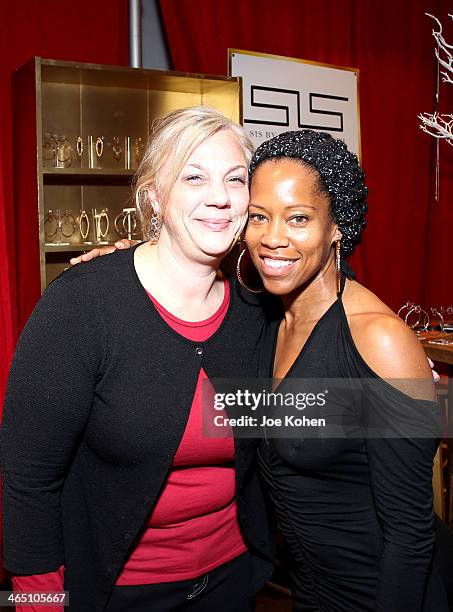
193,527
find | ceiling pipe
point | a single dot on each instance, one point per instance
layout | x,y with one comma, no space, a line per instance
135,33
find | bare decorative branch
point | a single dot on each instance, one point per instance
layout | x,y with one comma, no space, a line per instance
438,126
443,53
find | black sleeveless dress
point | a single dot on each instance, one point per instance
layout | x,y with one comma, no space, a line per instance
356,513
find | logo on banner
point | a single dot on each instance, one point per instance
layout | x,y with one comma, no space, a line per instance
291,114
281,94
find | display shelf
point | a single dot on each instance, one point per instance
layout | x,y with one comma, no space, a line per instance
59,248
56,104
87,172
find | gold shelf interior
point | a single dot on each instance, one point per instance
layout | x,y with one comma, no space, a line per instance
105,101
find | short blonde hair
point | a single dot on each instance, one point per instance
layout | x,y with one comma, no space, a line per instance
173,138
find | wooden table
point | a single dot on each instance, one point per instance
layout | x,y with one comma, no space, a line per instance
439,347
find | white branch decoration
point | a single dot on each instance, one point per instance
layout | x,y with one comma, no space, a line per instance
446,63
436,125
439,126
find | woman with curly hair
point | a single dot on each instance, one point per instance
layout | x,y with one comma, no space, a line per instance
356,511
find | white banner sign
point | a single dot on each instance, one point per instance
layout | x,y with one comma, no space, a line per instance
281,94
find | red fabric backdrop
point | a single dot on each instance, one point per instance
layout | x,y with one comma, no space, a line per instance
406,251
83,31
79,31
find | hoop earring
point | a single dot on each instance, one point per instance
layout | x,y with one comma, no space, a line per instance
99,146
84,219
79,146
103,233
338,265
239,275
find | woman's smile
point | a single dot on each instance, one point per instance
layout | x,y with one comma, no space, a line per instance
276,266
214,224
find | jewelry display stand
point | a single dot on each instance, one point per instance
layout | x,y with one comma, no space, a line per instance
80,131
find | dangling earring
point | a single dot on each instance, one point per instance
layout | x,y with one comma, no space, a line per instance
152,229
338,265
155,225
238,273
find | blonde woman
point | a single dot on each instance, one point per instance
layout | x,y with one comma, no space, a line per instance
110,490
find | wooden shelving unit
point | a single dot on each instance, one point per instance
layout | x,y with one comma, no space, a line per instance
83,100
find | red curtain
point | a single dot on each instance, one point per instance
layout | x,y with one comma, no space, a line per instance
83,31
405,253
76,31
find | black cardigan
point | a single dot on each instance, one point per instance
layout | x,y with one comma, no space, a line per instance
98,397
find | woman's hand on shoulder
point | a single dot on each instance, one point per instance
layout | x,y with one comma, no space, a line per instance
124,243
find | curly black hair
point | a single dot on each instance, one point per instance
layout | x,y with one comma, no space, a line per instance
340,174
